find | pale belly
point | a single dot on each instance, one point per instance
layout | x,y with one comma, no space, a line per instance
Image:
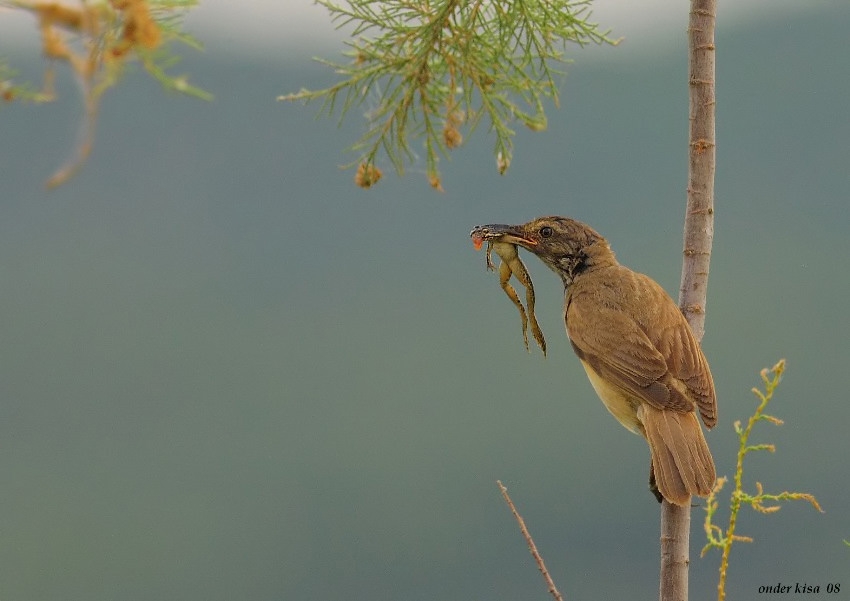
616,401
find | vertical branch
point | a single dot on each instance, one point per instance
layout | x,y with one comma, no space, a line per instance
699,233
699,218
675,540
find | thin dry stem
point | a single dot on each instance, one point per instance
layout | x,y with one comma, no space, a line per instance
553,590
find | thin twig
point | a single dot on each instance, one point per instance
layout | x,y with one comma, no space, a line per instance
553,590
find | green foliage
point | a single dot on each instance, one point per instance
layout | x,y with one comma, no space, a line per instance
97,41
717,538
435,66
23,91
169,16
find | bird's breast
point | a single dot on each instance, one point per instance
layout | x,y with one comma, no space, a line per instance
618,403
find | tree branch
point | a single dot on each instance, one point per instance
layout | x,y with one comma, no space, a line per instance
699,218
698,237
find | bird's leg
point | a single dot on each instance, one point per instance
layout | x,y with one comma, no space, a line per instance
653,486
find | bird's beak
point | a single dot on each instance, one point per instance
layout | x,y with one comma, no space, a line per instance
499,232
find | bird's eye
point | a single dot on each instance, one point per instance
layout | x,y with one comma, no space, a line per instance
546,231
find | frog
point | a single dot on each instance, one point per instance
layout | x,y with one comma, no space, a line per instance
512,265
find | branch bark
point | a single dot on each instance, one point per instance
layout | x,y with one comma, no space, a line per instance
553,590
698,237
699,218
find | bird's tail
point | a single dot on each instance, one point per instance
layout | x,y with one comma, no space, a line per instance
681,461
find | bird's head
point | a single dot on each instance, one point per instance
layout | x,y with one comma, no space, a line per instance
567,246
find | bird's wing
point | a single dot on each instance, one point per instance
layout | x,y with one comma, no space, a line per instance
668,372
616,348
688,369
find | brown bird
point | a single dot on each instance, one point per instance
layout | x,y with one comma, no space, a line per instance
636,347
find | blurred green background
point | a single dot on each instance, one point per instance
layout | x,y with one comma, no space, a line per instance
227,373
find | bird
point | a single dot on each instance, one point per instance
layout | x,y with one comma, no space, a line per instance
635,345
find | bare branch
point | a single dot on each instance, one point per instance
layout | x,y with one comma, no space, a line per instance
553,590
698,236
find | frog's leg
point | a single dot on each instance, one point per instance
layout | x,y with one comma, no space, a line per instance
535,327
504,276
489,257
521,273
